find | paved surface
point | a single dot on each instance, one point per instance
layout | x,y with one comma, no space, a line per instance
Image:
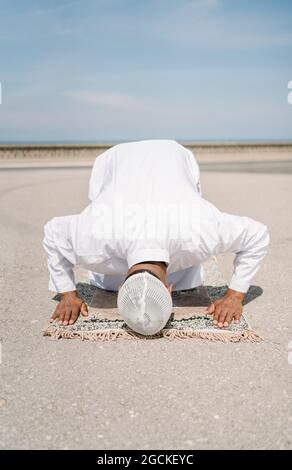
262,166
144,394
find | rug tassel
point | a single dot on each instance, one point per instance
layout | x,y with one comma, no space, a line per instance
107,335
103,335
224,336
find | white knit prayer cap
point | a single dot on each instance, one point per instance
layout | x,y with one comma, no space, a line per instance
144,303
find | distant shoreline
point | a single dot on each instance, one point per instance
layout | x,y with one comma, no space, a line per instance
107,144
240,155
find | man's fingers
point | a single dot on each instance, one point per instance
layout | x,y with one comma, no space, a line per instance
210,309
216,314
75,314
58,314
61,317
62,313
68,311
237,317
67,316
225,310
84,310
222,317
228,319
55,315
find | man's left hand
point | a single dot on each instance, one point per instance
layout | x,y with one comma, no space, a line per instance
226,309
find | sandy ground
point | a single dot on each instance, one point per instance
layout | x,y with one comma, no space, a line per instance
140,394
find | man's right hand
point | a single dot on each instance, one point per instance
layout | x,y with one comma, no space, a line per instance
69,308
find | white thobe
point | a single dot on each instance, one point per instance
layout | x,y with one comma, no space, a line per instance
142,194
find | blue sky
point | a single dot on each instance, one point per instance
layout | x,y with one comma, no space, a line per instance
102,70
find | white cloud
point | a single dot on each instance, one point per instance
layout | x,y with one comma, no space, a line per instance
106,99
162,120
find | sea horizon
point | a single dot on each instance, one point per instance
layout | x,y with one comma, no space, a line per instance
116,141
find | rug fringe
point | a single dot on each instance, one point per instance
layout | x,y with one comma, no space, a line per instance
224,336
114,334
103,335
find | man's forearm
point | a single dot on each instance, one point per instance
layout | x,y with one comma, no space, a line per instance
72,293
235,293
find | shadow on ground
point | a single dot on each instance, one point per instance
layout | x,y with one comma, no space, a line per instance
197,297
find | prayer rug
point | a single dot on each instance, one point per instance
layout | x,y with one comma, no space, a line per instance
188,319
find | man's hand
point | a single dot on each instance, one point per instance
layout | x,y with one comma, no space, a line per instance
69,308
226,309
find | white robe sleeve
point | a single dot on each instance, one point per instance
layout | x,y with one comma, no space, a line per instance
249,240
60,255
101,174
194,170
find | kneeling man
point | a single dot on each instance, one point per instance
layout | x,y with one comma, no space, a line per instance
147,231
